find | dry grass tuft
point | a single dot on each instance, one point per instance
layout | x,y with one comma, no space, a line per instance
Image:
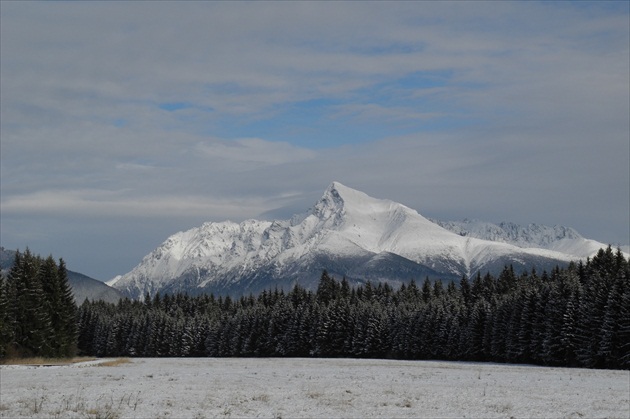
115,362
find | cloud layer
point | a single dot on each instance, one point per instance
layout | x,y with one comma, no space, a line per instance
140,119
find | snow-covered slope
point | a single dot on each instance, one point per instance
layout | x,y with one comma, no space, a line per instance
346,232
558,238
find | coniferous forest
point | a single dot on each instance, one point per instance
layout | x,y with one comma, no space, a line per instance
578,316
575,316
38,316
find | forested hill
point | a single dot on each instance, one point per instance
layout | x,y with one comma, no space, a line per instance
574,316
37,309
82,286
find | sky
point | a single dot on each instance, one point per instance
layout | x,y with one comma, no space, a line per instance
122,123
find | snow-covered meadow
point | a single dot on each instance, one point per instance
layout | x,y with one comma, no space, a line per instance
292,387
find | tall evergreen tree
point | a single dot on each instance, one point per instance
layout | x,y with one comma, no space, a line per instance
506,282
47,277
427,290
67,325
326,289
6,329
610,347
464,286
624,326
33,320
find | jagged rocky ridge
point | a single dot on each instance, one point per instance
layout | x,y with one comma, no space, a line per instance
558,238
346,232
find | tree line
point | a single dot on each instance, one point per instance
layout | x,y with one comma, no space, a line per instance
38,315
576,316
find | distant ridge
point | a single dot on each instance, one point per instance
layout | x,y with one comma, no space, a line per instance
350,234
558,238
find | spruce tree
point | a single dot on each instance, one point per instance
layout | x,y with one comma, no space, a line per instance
427,290
47,277
326,289
34,321
67,326
438,289
553,350
6,329
464,287
624,326
476,290
610,347
506,282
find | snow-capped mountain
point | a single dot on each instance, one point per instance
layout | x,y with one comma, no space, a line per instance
346,232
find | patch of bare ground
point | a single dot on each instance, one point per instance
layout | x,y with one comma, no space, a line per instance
44,361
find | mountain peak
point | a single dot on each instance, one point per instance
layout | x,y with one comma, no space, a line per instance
338,199
343,192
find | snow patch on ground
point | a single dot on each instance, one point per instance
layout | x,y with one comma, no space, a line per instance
293,387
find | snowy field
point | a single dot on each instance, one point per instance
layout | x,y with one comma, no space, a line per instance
292,388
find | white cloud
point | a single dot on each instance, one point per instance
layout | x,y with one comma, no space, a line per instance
254,151
99,203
